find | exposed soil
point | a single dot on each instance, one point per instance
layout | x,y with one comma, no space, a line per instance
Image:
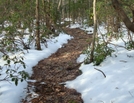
51,73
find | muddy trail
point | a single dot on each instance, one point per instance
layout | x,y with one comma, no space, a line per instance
51,73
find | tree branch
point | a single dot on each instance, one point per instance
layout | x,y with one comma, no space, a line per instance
123,15
101,72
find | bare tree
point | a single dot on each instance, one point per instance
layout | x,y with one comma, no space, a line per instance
94,33
37,26
117,6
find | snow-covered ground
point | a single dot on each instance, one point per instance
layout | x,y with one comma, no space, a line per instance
117,87
9,92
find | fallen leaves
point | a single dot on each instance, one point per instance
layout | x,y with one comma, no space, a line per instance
51,73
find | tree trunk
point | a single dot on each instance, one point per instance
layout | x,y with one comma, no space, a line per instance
59,4
47,16
69,13
110,23
63,10
37,26
94,33
123,15
133,15
116,23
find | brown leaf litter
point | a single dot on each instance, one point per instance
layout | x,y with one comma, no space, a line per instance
51,73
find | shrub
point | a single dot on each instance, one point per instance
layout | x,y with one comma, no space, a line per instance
100,53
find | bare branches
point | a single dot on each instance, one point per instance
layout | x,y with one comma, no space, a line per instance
123,15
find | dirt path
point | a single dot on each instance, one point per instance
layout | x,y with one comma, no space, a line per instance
60,67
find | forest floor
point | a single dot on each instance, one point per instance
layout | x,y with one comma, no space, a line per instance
51,73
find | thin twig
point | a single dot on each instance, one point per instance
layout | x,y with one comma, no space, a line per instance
5,79
101,72
3,51
117,45
131,94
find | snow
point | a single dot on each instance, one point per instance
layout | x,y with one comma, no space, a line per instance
9,92
117,87
86,28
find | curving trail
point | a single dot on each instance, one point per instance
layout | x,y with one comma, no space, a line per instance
51,73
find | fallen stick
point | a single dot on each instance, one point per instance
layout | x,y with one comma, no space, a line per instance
101,72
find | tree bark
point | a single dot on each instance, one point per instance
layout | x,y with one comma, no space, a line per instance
94,33
123,15
47,10
133,15
59,4
37,26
